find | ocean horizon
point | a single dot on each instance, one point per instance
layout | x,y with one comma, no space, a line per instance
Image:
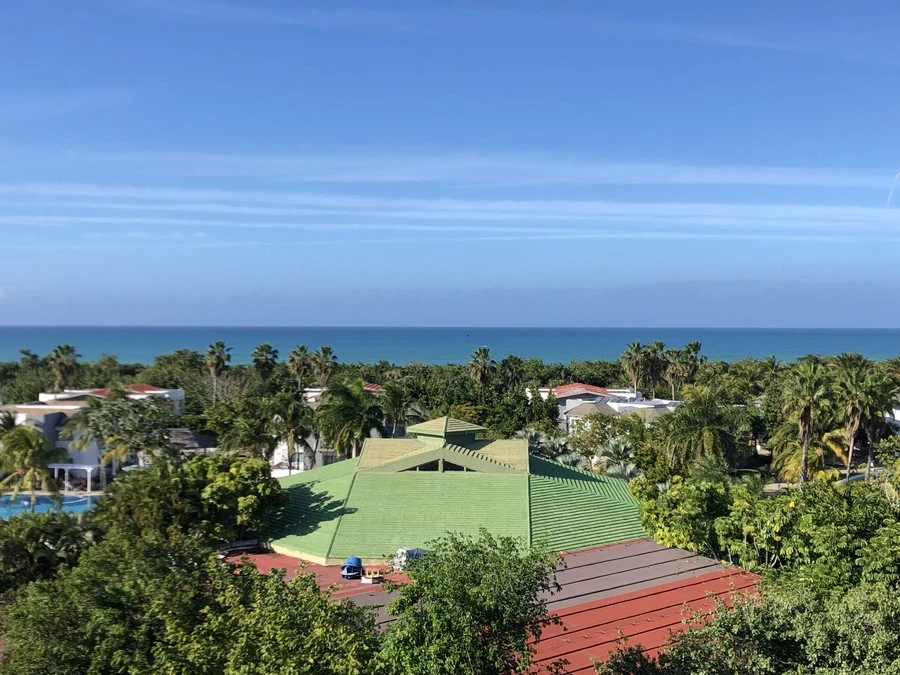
140,344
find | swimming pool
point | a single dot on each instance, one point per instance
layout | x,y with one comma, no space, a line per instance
22,504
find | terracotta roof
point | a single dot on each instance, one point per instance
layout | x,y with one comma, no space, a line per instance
579,388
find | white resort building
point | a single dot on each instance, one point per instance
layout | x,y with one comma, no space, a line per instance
51,411
577,400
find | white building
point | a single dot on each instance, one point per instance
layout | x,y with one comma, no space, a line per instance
577,400
51,411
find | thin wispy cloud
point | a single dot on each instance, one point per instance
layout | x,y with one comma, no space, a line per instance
23,106
473,169
270,15
778,36
253,202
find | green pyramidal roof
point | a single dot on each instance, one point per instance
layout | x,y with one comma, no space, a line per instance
445,426
406,492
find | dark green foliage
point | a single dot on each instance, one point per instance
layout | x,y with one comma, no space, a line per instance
474,606
216,498
152,604
33,546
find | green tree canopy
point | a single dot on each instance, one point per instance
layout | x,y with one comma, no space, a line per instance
474,605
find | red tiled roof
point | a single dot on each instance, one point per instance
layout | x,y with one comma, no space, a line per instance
591,631
372,388
578,388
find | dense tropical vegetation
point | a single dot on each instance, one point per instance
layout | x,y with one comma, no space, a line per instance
746,469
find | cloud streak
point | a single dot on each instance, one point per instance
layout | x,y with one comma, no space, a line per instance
22,106
472,169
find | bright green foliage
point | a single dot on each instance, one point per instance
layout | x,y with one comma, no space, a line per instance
684,515
474,606
218,498
791,630
34,545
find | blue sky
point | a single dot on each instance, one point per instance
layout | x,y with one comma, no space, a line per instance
577,164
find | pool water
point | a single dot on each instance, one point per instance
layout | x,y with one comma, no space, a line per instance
22,504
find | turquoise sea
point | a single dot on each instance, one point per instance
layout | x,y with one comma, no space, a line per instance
447,345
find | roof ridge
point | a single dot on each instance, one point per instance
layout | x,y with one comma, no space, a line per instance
477,453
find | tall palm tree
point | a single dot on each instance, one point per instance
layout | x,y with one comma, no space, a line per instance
24,457
218,357
347,416
807,400
701,427
691,361
395,403
63,361
481,366
299,364
265,358
881,397
655,364
324,363
293,425
633,360
674,372
851,397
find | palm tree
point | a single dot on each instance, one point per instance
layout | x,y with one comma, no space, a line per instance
851,398
395,403
618,458
807,400
217,359
7,423
324,363
881,398
691,361
63,361
512,372
299,364
655,364
347,416
293,425
675,369
481,366
265,358
788,453
701,427
24,457
632,361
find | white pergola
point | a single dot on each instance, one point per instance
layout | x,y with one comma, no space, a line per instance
66,468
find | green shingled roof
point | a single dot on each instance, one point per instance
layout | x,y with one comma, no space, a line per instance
402,493
445,426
